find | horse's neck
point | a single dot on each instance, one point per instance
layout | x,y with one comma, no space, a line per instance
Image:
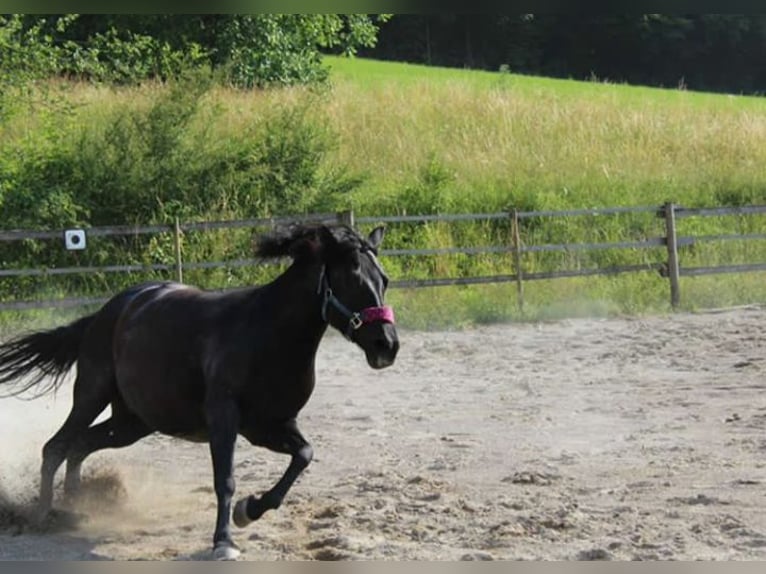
295,305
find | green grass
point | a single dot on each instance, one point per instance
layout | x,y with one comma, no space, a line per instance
564,143
497,141
375,74
436,140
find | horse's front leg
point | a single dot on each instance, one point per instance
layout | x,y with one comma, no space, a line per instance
223,424
284,438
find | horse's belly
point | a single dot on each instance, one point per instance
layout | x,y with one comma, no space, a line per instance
160,384
164,408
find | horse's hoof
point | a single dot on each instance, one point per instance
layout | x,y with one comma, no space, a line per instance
239,516
225,552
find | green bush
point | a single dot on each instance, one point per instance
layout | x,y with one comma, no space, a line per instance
155,161
255,50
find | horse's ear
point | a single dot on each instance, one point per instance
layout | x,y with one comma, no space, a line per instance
376,237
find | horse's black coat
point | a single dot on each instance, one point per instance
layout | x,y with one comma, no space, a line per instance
208,366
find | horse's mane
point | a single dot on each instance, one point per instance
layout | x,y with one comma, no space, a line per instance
296,239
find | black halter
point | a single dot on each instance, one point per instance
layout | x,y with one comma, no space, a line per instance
356,319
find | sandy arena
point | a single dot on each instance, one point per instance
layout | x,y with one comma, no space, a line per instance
581,439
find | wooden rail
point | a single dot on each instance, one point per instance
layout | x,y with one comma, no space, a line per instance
670,268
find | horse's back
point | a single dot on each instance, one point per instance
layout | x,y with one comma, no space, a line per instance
97,343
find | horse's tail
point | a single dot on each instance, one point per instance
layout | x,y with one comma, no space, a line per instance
41,360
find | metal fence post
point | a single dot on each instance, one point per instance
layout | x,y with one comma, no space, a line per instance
179,261
516,234
671,240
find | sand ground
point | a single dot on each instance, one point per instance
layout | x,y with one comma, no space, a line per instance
640,438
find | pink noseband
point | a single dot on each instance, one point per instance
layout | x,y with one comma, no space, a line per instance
383,314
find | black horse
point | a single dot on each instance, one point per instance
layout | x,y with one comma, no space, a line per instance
208,366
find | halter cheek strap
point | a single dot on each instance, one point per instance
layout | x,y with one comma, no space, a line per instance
356,320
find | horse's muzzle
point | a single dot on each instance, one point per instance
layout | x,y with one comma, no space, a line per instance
382,351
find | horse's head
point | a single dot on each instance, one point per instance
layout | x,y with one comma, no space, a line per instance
352,286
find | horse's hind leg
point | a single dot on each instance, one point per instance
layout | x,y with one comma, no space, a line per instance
287,439
120,430
90,398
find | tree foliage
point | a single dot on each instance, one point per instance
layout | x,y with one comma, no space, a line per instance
251,49
721,52
712,52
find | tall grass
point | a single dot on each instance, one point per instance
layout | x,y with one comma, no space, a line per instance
562,143
502,141
410,139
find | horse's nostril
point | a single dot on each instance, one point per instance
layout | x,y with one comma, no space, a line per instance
386,345
382,344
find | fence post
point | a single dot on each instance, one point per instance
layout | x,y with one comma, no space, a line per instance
517,258
179,261
671,240
347,218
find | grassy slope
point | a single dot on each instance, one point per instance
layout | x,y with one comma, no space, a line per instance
503,140
573,143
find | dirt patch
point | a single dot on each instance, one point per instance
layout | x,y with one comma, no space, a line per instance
14,517
613,439
102,490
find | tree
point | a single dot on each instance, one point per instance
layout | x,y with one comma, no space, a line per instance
263,49
719,52
252,49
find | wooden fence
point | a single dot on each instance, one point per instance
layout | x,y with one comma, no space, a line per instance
669,268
